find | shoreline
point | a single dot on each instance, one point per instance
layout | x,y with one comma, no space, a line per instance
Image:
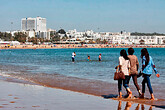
29,97
25,96
70,46
92,88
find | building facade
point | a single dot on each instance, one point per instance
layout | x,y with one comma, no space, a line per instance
36,27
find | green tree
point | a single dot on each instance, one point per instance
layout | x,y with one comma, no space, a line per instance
33,39
6,36
19,36
62,31
98,41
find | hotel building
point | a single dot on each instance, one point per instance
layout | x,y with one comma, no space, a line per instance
35,27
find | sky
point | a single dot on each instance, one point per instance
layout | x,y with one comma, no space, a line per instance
98,15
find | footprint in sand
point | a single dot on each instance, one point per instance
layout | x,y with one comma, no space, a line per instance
35,106
16,98
5,104
12,102
1,107
19,107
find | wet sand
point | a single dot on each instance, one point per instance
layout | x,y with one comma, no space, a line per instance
101,89
17,96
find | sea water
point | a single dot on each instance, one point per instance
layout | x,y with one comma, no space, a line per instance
59,61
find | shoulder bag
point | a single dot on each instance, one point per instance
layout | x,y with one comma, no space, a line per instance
118,74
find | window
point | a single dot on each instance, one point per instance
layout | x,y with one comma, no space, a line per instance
152,37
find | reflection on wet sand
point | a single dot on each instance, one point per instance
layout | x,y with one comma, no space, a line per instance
128,106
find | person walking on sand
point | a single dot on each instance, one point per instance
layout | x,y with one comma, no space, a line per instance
147,66
73,56
100,57
124,66
134,65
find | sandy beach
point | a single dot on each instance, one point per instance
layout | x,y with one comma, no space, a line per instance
54,46
20,94
17,96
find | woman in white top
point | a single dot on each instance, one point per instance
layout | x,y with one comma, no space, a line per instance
124,66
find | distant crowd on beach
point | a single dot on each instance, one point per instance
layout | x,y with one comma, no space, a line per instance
50,46
128,66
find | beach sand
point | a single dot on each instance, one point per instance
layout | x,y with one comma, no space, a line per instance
18,96
54,46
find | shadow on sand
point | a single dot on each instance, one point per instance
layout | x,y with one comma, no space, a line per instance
128,104
109,96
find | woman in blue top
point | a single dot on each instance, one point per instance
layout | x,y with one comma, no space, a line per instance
147,66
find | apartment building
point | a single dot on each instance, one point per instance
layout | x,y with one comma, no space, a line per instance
35,27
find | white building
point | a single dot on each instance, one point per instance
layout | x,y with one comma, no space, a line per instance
86,36
33,24
28,24
149,40
35,27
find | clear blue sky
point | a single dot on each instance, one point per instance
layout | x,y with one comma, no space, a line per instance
107,15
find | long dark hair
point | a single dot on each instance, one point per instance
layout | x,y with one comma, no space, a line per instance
123,53
145,53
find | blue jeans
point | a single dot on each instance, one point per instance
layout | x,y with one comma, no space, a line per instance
134,77
125,83
146,80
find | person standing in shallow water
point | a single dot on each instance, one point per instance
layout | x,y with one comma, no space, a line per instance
88,58
73,56
147,66
134,65
124,66
99,57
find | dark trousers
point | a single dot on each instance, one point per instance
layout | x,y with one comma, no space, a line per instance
134,77
72,59
125,83
146,79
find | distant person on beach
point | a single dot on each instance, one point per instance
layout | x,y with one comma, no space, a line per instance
134,65
99,57
88,58
124,66
73,56
147,66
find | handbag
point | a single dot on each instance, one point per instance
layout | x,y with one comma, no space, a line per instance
118,74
